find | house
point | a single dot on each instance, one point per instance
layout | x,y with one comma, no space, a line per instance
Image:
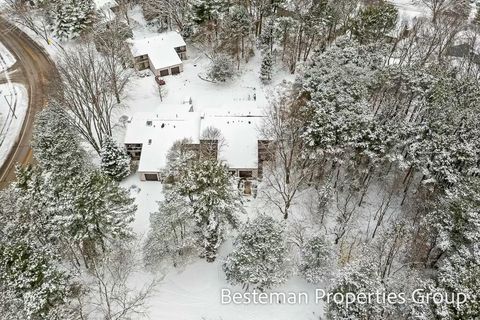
162,53
238,141
150,136
240,131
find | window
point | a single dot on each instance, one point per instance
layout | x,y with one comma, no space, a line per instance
151,177
245,174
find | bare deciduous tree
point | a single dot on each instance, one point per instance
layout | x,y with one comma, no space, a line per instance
289,166
111,293
111,43
172,12
85,88
29,16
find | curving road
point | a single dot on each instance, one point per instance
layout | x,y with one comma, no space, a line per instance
33,69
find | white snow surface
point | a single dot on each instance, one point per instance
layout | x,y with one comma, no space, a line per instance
6,58
409,10
13,108
194,291
159,135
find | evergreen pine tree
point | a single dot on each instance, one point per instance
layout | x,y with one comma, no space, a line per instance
221,68
214,201
56,146
171,234
375,21
71,17
259,257
96,212
317,259
358,277
266,67
115,162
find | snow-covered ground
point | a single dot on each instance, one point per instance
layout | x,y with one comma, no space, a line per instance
408,11
13,108
194,292
6,58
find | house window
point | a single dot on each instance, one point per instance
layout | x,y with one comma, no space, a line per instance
245,174
151,177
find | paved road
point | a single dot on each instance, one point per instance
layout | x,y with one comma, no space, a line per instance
33,69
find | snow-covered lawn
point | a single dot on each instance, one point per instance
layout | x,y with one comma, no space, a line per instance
194,291
143,94
6,58
13,108
409,9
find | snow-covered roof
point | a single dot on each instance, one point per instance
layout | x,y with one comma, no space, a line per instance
105,4
158,131
160,49
241,130
101,4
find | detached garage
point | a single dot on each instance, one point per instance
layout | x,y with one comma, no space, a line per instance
163,53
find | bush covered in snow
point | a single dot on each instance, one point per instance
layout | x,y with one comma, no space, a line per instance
317,259
221,68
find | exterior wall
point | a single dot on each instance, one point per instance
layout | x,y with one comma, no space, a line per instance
236,172
265,151
182,52
157,71
134,150
141,62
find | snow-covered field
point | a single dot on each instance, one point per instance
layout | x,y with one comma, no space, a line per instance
13,108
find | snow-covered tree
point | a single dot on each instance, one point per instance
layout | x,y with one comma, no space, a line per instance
317,259
338,82
375,21
87,89
237,25
56,145
259,257
33,283
205,11
221,68
214,201
358,277
95,213
115,162
266,67
69,18
171,235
